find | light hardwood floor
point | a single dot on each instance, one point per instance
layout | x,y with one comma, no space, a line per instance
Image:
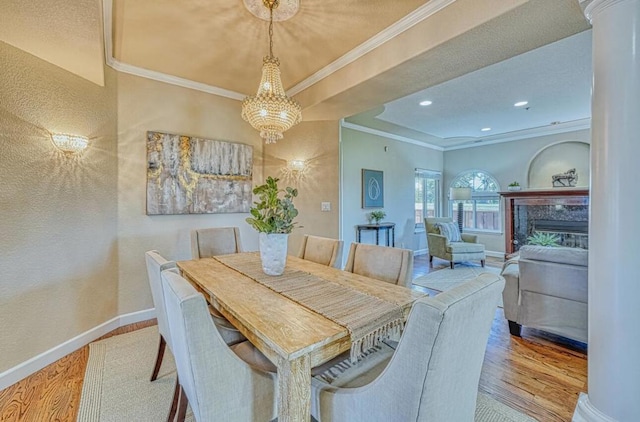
537,374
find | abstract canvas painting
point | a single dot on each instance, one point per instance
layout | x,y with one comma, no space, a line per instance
189,175
372,189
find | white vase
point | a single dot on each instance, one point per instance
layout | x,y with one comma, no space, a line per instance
273,252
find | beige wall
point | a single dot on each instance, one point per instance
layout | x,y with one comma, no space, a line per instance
318,144
58,235
509,162
149,105
362,150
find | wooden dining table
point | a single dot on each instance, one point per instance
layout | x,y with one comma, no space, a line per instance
289,334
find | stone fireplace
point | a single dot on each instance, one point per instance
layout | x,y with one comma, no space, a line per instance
561,212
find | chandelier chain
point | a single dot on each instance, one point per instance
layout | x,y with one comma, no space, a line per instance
271,32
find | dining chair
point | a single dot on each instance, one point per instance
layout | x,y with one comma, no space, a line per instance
215,241
321,250
393,265
434,373
156,263
213,379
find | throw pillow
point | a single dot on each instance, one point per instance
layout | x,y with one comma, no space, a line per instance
450,231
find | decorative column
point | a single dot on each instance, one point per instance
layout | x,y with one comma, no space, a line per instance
614,223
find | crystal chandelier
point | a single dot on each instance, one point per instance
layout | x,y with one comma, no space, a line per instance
270,111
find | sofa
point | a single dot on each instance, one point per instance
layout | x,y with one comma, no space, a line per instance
546,288
439,246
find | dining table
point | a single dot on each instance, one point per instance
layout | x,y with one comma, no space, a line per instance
294,336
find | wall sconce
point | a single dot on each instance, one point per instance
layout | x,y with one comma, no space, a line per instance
69,144
296,166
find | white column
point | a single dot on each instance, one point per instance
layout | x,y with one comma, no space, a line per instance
614,224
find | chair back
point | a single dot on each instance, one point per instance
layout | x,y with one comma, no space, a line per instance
430,223
215,241
393,265
218,384
321,250
155,265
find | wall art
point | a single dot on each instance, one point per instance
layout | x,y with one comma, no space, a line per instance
189,175
372,189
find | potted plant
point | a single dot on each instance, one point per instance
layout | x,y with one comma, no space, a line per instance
543,239
377,216
272,216
513,186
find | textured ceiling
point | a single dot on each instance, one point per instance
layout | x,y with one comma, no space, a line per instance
555,79
221,43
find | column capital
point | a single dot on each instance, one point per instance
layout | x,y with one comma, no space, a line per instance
593,7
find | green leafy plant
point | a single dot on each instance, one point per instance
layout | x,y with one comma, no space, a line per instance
273,213
512,184
377,215
543,239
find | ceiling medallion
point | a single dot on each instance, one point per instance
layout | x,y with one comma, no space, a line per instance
270,111
286,9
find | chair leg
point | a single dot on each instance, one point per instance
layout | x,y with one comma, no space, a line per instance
482,263
431,261
182,406
515,329
452,265
161,348
174,401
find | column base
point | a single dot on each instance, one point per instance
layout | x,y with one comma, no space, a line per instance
586,412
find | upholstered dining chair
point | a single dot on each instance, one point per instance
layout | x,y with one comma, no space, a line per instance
393,265
215,241
321,250
212,377
156,263
433,375
452,246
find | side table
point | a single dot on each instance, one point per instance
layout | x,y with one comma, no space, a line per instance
390,229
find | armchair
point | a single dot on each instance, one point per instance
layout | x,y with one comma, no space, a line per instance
467,250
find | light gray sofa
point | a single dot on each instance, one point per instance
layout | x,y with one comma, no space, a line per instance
546,288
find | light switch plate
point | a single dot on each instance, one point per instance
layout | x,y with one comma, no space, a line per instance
325,206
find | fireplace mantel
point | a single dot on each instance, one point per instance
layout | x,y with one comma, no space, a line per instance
559,204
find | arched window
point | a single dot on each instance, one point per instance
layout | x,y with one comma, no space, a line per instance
482,211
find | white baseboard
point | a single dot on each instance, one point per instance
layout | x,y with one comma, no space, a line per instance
420,252
36,363
586,411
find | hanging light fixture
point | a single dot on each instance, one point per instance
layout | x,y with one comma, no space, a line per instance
270,111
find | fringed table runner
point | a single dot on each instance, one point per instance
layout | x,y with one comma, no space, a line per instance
368,319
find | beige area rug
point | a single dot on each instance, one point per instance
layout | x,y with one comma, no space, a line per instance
116,383
445,279
117,388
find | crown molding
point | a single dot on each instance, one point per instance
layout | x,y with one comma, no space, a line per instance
525,134
420,14
107,16
389,135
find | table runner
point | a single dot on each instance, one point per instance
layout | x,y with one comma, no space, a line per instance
368,319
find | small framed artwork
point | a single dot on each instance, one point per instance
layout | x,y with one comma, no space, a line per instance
372,189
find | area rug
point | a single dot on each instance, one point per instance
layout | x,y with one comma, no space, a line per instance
117,388
445,279
116,383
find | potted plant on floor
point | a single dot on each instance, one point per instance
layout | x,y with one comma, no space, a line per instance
272,216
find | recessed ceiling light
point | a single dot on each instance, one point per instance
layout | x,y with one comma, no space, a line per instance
485,129
521,103
425,103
